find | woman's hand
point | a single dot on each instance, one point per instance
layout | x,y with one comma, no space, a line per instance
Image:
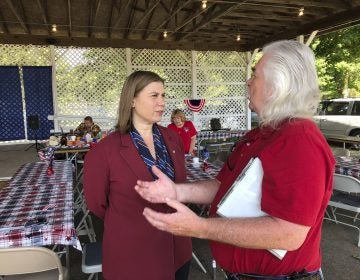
157,191
183,222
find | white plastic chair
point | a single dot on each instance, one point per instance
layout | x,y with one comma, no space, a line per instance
92,259
4,181
337,152
346,196
30,263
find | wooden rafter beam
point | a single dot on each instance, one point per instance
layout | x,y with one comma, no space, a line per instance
207,19
148,23
44,15
4,26
252,22
130,20
192,17
120,14
149,11
256,15
171,15
18,16
93,16
23,15
69,17
245,29
342,18
302,3
115,43
113,6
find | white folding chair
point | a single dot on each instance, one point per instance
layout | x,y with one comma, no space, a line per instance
85,225
198,262
31,263
346,196
92,259
340,151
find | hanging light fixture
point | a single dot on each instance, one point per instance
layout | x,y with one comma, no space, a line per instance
203,4
165,34
301,12
53,28
238,37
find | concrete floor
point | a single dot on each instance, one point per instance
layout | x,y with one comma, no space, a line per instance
341,256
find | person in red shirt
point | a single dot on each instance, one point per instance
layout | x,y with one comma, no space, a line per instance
298,168
185,129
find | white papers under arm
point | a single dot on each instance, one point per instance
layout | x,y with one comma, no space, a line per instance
243,199
279,253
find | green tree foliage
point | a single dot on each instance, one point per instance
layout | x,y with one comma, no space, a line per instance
338,63
19,55
90,81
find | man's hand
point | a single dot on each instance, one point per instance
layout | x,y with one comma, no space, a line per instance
157,191
183,222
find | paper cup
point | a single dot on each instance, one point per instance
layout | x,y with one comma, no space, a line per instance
195,160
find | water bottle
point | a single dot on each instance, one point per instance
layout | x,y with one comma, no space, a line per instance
214,268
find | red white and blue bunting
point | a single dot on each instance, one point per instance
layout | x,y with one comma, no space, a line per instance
195,105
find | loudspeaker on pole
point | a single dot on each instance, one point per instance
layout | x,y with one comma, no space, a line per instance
33,122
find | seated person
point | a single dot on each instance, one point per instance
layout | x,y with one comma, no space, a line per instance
88,126
185,129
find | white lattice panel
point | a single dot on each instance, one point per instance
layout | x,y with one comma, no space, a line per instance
160,58
221,75
218,107
21,55
66,125
171,75
174,91
175,67
232,122
89,81
220,59
221,80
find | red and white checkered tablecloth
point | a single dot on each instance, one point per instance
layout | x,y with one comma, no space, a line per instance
349,167
196,173
218,135
35,174
36,209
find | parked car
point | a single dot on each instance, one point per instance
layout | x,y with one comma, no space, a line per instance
339,117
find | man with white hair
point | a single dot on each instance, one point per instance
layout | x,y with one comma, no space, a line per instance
298,168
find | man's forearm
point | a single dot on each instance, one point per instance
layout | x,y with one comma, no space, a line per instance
201,192
256,233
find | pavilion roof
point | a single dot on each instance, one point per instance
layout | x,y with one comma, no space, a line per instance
142,23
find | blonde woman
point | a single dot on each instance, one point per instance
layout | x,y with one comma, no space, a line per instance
185,129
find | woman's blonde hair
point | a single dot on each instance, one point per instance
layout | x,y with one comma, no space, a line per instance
177,113
290,76
134,83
